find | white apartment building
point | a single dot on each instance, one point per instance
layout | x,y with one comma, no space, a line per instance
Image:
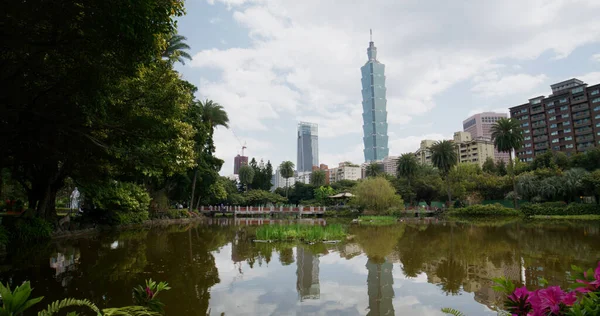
390,165
278,180
471,150
423,154
345,171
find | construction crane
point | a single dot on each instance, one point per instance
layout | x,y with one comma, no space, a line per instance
238,139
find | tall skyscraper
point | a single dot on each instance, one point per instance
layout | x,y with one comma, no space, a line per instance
308,146
374,107
480,127
307,272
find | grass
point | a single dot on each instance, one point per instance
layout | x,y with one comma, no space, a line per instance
484,210
310,233
584,217
377,220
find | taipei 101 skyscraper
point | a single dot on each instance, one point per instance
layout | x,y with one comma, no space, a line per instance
374,107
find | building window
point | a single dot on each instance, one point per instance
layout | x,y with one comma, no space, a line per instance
528,145
553,125
566,123
597,124
552,118
565,116
554,141
551,111
523,110
525,124
597,108
569,138
529,152
551,103
568,130
529,137
596,100
569,146
564,108
577,90
598,116
563,100
529,159
536,101
526,131
554,133
524,117
556,148
595,92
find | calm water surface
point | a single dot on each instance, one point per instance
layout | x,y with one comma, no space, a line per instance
412,268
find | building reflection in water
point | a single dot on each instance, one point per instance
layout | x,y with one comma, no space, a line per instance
307,271
380,287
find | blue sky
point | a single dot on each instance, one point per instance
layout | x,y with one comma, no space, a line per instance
272,63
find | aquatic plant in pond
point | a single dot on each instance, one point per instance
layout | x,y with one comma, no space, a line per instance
377,220
301,232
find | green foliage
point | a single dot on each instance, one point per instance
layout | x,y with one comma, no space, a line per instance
443,155
532,209
262,197
343,185
31,229
376,194
147,296
119,196
300,232
507,134
176,49
489,166
15,302
322,193
171,214
317,178
484,210
4,236
262,175
56,306
374,169
126,218
246,175
452,311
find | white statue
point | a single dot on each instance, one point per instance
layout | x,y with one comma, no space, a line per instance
75,199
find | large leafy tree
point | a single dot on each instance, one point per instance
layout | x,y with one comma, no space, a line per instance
444,158
508,137
373,169
408,166
377,195
286,169
246,174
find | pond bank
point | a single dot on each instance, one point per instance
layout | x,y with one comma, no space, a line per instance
60,234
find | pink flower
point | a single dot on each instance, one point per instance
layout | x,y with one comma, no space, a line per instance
551,300
149,292
519,294
597,272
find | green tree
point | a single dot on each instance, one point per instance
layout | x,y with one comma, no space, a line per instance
376,194
317,178
572,181
374,169
323,193
286,169
508,137
62,79
489,166
501,168
591,184
408,166
246,174
262,197
175,50
444,158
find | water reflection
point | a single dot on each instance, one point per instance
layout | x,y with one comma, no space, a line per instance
412,268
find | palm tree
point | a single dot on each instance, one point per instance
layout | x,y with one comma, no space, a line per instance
373,169
213,114
444,158
286,169
175,50
407,167
573,182
508,137
317,178
246,174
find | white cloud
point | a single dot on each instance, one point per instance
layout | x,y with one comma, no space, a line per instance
596,57
590,78
406,144
493,85
214,20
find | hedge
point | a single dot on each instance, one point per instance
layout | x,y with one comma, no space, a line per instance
554,208
484,210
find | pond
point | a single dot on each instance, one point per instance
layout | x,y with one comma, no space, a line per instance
411,268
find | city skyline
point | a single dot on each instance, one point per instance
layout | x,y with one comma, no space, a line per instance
272,65
308,147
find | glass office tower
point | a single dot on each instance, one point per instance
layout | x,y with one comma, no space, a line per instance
308,146
374,107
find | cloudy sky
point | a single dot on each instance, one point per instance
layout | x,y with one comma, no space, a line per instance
272,63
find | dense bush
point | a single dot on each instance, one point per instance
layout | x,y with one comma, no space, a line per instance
554,208
172,214
121,196
3,236
125,218
31,229
345,212
484,210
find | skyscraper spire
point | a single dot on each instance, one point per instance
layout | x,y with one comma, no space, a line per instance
371,32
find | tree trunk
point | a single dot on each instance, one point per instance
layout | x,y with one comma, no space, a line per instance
193,189
287,187
512,176
46,207
198,203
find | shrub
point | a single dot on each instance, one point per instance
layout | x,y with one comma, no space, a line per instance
126,218
31,229
118,203
3,236
554,208
377,195
484,210
300,232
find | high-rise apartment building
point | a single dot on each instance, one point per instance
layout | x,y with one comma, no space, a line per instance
308,146
471,150
307,272
239,161
423,154
345,171
480,127
374,107
390,165
568,120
